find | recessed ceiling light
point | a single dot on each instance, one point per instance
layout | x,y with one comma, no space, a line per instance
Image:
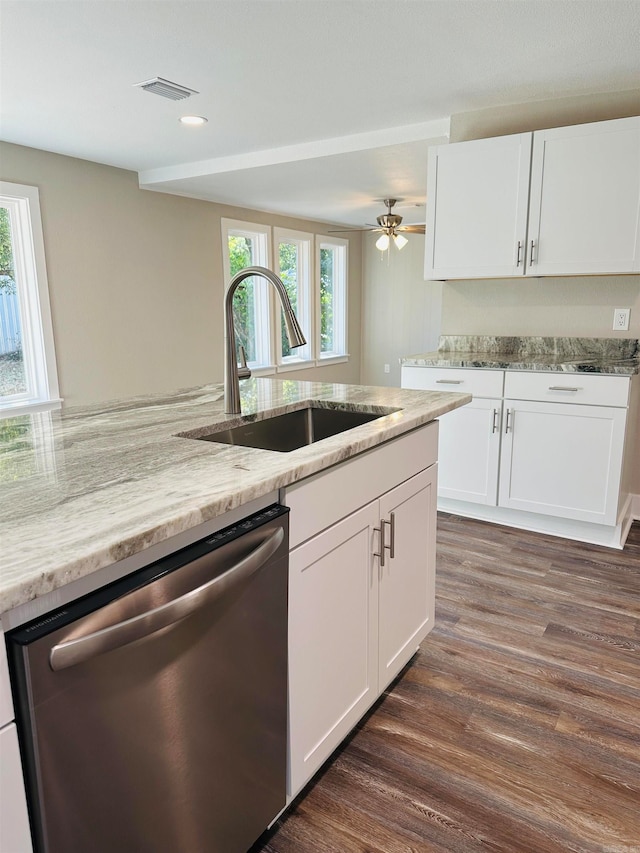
193,120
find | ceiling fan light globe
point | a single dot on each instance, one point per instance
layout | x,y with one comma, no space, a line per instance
382,242
400,241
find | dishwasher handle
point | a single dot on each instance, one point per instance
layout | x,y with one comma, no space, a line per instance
80,649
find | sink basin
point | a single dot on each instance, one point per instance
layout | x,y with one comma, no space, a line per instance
292,430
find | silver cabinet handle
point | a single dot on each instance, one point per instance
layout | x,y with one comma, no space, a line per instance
519,256
449,381
509,423
392,539
562,388
496,421
531,258
81,649
380,553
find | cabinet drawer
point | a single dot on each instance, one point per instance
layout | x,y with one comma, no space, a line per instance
325,498
480,383
568,388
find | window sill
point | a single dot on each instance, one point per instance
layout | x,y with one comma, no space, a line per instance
23,408
302,364
332,359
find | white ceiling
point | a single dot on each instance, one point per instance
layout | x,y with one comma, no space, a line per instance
316,108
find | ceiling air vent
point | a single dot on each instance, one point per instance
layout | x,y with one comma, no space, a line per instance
166,89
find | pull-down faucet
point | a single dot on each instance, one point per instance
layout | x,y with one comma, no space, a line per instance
232,372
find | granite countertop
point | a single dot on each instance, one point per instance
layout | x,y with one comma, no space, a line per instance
617,356
82,489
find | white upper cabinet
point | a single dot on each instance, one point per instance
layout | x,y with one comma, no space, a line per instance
477,195
583,203
584,209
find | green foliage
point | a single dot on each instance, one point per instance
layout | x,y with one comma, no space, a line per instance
289,274
326,300
7,275
241,256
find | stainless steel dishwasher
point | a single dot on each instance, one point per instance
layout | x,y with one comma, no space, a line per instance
152,713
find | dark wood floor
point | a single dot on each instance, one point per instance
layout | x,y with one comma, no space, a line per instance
515,728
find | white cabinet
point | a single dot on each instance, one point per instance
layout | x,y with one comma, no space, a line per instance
469,452
15,836
551,446
361,591
562,460
584,210
477,194
582,201
469,446
333,666
407,577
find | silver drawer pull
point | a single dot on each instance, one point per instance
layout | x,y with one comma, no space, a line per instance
449,381
563,388
496,421
519,256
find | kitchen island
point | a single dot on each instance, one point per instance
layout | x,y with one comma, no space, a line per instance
91,495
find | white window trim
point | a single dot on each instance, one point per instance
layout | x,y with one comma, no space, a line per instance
342,312
41,372
263,297
305,312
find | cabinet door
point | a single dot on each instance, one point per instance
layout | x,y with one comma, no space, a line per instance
15,836
477,197
333,609
407,578
584,212
469,452
562,459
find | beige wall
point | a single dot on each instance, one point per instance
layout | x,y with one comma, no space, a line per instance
135,279
401,311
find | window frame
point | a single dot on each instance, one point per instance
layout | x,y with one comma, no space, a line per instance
267,305
263,301
339,353
39,358
305,309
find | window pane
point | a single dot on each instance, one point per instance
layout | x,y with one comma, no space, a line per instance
327,297
12,369
241,255
289,273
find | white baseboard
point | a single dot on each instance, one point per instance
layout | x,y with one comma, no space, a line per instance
611,536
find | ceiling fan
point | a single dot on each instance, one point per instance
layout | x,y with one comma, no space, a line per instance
390,225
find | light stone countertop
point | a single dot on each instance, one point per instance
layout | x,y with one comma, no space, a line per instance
82,489
613,356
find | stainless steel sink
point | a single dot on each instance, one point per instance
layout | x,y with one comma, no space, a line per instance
292,430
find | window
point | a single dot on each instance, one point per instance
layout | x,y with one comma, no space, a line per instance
332,279
293,251
246,244
28,374
318,296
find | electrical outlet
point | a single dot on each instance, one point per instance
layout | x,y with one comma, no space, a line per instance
621,319
387,368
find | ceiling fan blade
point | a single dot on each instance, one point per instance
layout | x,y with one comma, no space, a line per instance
412,229
347,230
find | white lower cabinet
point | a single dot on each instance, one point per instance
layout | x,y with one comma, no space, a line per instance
470,448
547,454
356,617
561,459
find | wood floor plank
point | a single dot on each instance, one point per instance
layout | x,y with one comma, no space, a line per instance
516,727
